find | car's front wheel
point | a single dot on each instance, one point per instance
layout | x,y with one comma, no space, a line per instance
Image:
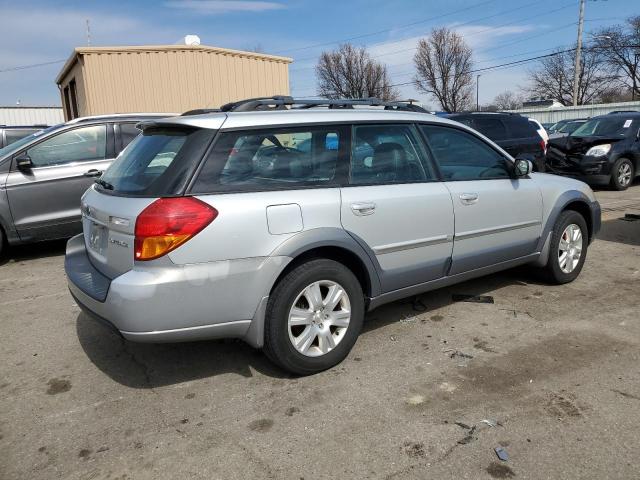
622,174
568,249
314,317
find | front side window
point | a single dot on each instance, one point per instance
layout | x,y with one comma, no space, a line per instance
273,159
387,154
79,145
462,156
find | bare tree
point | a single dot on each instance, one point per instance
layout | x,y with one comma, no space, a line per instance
350,72
553,77
508,100
443,69
620,49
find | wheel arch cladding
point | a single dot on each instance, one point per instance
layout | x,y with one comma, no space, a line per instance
334,244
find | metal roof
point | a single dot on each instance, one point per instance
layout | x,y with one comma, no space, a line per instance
79,51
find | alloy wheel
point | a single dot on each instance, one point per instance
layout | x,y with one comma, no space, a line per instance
624,174
319,318
570,248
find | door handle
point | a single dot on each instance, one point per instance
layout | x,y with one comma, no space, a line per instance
469,198
363,208
92,173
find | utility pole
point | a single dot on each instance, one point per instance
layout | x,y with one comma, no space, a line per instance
88,34
576,74
478,93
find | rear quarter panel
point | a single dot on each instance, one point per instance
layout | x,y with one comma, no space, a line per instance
241,229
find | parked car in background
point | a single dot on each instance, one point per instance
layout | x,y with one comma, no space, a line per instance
547,126
189,235
10,134
604,150
567,128
541,131
43,175
513,132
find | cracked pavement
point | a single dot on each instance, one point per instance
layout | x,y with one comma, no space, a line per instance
557,367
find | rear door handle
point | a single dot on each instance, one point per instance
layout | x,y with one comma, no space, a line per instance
92,173
363,208
468,198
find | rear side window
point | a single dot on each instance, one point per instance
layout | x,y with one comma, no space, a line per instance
159,162
521,128
493,128
387,154
128,132
273,159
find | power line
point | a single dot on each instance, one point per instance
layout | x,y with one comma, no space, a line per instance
348,39
546,13
33,65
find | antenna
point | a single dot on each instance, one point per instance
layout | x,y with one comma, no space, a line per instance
88,34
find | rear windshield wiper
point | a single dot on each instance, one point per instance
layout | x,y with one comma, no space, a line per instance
104,184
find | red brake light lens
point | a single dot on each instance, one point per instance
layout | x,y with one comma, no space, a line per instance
168,223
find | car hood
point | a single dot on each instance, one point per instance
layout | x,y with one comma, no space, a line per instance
580,145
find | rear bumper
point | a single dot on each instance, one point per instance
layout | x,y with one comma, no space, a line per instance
173,303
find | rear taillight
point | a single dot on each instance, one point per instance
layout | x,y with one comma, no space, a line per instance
169,222
543,146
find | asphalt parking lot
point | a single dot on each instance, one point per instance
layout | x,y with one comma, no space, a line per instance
556,367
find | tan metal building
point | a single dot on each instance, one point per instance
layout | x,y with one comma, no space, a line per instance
166,78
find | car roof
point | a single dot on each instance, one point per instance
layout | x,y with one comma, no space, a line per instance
620,114
118,117
232,120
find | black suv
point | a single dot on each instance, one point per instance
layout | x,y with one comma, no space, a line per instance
8,135
604,150
513,132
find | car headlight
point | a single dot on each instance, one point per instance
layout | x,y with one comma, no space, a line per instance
599,150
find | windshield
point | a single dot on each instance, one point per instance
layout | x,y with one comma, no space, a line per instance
570,127
158,162
18,144
604,126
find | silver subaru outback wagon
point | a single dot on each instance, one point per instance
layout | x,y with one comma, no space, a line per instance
281,222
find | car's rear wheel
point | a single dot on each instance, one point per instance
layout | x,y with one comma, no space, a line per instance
568,249
314,317
2,242
622,174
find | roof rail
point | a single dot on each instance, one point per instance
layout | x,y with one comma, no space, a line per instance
282,102
110,116
199,111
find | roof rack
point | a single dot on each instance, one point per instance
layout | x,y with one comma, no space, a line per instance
282,102
199,111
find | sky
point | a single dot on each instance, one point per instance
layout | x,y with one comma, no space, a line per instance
498,31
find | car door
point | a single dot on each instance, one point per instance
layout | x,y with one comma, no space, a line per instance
497,217
45,198
395,206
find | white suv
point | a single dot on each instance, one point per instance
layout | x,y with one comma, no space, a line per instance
283,221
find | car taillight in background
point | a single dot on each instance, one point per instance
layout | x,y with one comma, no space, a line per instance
168,223
543,145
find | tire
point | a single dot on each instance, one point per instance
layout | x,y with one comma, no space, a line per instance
564,269
298,289
3,242
622,174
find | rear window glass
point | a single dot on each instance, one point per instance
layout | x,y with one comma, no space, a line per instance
272,159
158,162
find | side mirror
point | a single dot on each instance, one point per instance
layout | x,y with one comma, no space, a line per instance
23,162
523,166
